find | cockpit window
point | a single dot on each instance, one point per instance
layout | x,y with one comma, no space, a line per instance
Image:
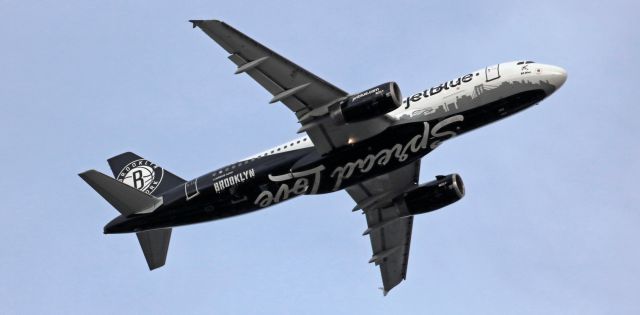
528,62
525,62
519,63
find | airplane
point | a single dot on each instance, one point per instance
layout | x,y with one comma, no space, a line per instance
368,143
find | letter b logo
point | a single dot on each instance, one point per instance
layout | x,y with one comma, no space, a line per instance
138,182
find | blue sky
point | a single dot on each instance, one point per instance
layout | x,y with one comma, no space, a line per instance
549,224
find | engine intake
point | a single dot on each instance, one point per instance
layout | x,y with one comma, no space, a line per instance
368,104
433,195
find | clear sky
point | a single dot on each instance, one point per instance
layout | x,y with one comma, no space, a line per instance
549,224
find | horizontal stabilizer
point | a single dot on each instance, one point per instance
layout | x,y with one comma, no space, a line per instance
126,199
155,245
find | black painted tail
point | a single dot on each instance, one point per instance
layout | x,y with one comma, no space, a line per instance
151,179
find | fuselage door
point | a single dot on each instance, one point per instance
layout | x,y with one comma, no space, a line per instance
191,189
492,72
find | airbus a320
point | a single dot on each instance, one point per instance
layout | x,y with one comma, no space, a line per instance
368,143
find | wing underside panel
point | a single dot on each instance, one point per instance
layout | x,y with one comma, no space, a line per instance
389,232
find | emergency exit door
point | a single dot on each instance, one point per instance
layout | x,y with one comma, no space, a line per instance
492,72
191,188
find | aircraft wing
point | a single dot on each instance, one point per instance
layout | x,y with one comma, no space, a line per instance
390,234
304,93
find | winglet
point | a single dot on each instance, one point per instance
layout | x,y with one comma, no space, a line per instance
195,22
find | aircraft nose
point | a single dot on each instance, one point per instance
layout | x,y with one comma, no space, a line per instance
559,76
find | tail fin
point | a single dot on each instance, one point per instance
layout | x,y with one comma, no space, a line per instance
143,174
155,245
137,188
127,200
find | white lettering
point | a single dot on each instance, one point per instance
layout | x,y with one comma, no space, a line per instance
236,179
398,152
365,93
382,158
450,134
300,186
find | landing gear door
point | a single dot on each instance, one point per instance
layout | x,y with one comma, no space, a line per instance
492,72
191,189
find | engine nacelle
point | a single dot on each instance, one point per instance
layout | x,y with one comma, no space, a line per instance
433,195
369,104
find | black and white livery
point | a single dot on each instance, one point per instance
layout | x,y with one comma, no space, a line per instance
368,143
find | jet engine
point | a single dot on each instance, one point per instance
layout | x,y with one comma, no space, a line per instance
433,195
368,104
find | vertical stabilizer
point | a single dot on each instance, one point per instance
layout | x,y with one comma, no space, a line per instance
143,174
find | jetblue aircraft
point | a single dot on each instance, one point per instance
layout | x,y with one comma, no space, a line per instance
367,143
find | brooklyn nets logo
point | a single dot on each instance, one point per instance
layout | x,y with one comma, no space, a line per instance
142,175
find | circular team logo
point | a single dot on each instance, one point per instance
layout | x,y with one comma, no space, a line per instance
141,174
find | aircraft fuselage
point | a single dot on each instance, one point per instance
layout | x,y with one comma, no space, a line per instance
425,120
